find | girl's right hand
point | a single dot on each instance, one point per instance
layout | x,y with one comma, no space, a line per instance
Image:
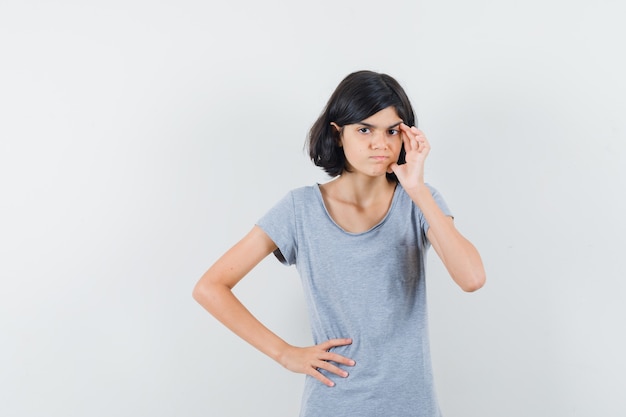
309,360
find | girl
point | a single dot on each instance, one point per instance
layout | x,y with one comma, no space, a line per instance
359,243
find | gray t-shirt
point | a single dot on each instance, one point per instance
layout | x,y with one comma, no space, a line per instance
366,286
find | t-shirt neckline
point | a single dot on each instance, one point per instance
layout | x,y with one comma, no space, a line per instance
394,198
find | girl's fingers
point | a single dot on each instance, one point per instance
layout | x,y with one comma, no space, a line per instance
409,130
413,138
406,135
329,344
326,359
327,366
320,377
334,357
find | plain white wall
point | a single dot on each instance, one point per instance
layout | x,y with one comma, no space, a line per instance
140,140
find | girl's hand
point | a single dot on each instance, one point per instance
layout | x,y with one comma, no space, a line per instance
417,148
310,359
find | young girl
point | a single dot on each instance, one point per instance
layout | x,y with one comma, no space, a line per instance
359,243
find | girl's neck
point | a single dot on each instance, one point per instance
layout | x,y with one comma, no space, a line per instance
360,189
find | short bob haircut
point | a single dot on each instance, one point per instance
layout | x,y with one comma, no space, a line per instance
357,97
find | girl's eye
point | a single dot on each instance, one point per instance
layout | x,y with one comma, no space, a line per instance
364,130
393,132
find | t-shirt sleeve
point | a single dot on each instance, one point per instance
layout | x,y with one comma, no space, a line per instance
280,225
442,205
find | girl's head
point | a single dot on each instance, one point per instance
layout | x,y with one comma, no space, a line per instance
358,96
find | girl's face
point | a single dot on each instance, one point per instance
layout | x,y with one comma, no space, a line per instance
373,144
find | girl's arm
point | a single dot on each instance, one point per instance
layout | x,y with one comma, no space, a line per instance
214,292
459,256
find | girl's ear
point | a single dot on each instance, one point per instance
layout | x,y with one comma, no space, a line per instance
338,132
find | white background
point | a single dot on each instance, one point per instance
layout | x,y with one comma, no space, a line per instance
141,139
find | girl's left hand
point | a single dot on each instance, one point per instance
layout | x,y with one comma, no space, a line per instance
416,146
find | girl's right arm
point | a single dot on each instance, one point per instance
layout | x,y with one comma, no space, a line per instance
214,292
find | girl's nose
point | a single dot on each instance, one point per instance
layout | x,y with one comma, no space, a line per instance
379,141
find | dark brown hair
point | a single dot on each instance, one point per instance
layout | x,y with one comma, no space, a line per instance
357,97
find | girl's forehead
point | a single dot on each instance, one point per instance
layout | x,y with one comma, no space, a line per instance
384,118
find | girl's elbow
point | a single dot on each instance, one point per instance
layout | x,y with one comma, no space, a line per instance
201,292
209,295
474,282
197,293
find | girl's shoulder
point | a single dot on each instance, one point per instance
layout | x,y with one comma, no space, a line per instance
305,191
300,197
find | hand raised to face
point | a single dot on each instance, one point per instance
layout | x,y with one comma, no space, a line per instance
417,148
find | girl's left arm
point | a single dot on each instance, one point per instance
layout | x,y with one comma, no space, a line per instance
460,257
458,254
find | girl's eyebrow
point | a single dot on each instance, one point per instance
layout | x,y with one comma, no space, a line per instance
371,125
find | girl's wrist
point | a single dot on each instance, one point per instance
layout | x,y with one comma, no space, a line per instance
419,193
418,187
280,353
